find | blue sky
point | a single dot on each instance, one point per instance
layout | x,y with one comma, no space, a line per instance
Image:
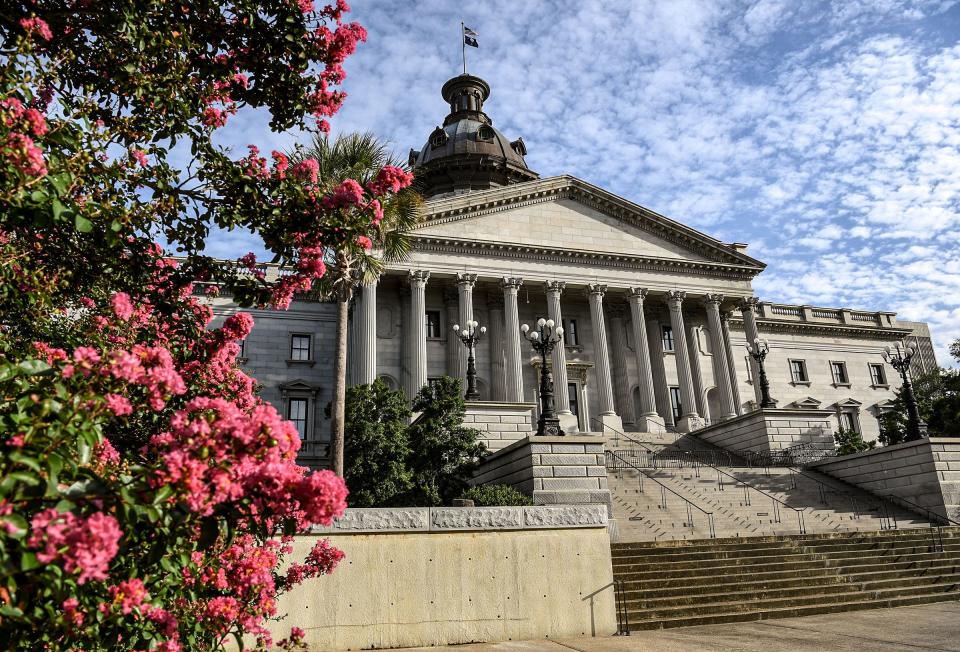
826,135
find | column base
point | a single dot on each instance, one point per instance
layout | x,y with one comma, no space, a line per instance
651,423
690,423
569,422
612,423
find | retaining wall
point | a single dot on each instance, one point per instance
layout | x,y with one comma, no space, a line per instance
422,577
771,429
500,424
925,472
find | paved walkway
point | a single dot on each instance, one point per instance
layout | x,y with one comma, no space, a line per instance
926,627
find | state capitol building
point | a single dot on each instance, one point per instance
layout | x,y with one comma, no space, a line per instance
656,315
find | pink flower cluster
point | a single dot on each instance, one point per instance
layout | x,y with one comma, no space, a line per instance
122,306
151,367
23,154
322,560
126,596
86,545
38,26
389,179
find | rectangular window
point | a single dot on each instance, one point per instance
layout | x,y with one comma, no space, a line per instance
798,371
570,335
668,338
243,349
848,421
839,372
675,403
877,375
297,413
300,347
433,324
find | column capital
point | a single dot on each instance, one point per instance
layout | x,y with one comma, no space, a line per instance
725,316
637,294
466,280
418,277
675,298
748,304
511,282
713,299
597,289
555,286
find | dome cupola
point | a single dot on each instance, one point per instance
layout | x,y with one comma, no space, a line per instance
467,153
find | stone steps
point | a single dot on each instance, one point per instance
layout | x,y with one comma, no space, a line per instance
682,583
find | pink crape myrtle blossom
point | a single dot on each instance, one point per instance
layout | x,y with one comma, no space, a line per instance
36,26
86,545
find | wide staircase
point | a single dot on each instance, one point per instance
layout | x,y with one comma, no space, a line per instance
667,487
679,583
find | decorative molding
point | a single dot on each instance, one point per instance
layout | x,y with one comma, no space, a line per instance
466,280
597,289
637,294
713,298
811,328
454,519
554,286
511,282
675,299
418,277
748,304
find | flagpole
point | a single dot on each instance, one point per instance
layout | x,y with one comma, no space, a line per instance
463,47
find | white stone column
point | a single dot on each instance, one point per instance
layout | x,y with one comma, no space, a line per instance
696,374
689,419
657,366
513,363
418,329
495,344
453,342
618,367
465,283
406,384
648,420
608,416
561,399
731,362
720,367
748,307
366,349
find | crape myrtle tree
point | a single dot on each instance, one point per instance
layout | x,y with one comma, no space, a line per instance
147,495
352,161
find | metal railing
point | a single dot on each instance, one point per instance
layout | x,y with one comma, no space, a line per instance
617,463
935,520
697,463
623,614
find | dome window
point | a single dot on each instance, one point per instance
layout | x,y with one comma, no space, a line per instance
485,132
438,138
519,147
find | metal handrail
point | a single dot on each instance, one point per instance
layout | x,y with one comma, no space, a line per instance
936,521
801,525
663,488
623,612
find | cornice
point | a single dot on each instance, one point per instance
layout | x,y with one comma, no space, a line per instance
463,246
865,332
487,202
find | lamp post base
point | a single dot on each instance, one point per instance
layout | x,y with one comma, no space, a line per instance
549,427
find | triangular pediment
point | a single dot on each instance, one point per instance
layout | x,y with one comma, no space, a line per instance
564,214
809,403
848,403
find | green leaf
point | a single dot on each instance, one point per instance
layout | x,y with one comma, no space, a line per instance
26,460
29,561
165,492
33,367
58,209
18,522
11,611
83,224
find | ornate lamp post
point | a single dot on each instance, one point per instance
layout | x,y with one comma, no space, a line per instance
543,340
758,351
470,336
901,362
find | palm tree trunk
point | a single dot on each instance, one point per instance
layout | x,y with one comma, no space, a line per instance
340,379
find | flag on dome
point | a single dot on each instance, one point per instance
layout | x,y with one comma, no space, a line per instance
470,37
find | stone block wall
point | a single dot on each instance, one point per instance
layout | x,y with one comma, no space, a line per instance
500,424
924,473
553,470
771,429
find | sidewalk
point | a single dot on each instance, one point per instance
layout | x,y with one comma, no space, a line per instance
925,627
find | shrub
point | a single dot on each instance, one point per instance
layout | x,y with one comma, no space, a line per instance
851,441
497,495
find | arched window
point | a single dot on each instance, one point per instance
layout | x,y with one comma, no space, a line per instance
485,132
438,138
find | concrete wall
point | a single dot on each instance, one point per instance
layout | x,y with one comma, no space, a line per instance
924,472
771,429
553,470
440,586
500,424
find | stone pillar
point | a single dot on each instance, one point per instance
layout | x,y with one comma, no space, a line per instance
366,350
513,364
689,419
405,345
418,329
660,387
495,344
453,343
608,416
618,367
561,400
648,420
720,364
465,283
731,362
696,374
748,307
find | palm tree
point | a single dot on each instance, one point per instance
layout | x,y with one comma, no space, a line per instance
358,156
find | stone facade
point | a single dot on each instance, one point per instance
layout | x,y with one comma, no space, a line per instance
772,429
500,424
